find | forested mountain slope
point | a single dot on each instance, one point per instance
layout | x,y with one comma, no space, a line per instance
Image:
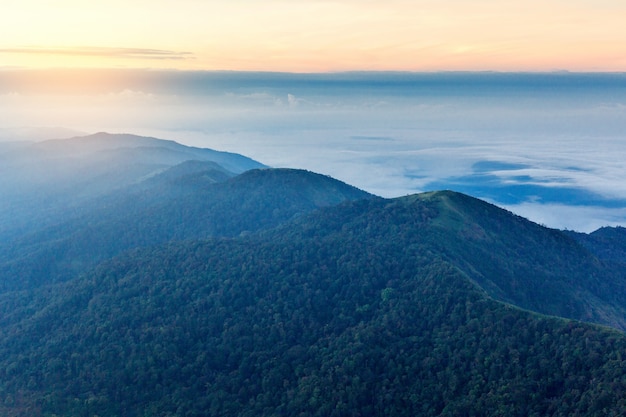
194,199
520,262
367,308
608,243
142,277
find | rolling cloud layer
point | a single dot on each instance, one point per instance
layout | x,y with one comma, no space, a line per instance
547,146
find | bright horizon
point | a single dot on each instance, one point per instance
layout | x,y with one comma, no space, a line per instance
316,35
385,103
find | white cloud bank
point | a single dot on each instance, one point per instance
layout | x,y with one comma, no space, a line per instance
579,218
390,134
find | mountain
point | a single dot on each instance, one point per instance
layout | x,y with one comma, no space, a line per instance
142,150
607,243
370,307
194,199
141,277
44,182
519,262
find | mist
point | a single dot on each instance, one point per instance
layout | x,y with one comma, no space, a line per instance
549,147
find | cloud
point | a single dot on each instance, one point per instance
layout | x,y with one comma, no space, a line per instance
9,96
538,143
562,216
130,95
29,134
292,100
373,138
96,51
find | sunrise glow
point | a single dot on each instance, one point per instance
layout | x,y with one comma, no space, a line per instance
315,36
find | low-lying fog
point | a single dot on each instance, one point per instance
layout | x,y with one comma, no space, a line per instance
550,147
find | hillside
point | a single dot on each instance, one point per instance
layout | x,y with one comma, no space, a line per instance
608,243
522,263
43,183
188,201
360,309
142,150
142,277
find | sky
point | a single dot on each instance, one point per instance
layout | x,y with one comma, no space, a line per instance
315,35
520,103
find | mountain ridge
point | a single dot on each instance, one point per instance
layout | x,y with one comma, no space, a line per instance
194,290
42,181
511,258
115,141
192,200
348,309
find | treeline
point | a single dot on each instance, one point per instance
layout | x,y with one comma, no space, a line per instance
344,313
192,200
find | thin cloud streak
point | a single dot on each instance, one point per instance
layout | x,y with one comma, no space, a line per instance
314,35
110,52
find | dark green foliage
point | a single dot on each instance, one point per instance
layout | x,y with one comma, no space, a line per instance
608,243
192,200
192,291
520,262
357,310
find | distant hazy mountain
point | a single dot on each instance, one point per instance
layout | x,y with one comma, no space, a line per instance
45,181
142,150
171,284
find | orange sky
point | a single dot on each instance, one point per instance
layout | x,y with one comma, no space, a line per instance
316,35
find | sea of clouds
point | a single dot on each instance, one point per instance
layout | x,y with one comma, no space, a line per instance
550,147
